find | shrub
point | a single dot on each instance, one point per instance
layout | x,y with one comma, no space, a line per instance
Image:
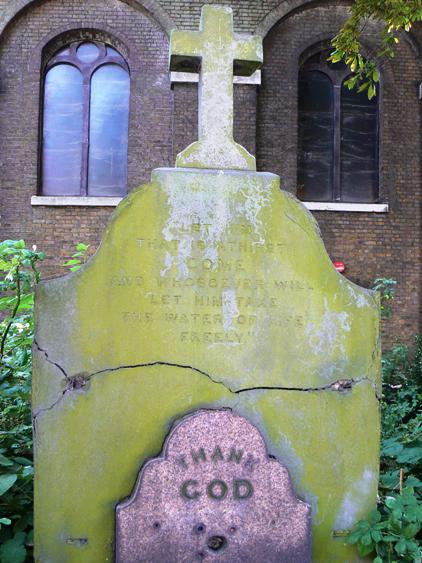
18,275
393,531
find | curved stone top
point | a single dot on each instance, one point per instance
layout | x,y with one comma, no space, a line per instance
225,426
216,270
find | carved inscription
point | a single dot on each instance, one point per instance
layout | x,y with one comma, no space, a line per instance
217,489
224,284
214,491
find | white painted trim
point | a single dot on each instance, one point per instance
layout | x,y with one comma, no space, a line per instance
341,206
255,78
76,201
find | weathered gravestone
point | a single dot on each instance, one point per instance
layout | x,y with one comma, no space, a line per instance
215,494
211,289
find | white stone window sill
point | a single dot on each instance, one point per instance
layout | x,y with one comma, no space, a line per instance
340,206
75,201
114,201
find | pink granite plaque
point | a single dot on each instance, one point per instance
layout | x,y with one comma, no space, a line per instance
215,495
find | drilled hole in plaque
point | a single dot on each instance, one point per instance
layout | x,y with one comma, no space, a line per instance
199,528
216,543
156,525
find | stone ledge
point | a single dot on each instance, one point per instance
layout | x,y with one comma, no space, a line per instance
63,201
75,201
255,78
341,206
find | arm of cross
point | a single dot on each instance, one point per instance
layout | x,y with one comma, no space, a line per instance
186,50
248,55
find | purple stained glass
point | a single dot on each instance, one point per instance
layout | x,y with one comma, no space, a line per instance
62,131
88,52
113,53
359,146
108,142
315,137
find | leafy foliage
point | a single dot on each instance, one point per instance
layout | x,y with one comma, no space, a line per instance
18,275
395,15
78,258
387,289
393,531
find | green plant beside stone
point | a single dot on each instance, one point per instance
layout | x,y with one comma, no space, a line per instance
18,275
393,532
78,258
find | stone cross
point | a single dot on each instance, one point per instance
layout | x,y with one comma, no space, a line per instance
217,53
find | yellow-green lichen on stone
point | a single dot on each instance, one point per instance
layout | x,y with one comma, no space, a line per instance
210,289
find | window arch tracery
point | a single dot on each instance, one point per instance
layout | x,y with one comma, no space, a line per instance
85,121
337,135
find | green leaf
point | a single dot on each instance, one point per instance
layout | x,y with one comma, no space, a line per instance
365,550
22,460
400,547
376,536
390,502
410,455
374,516
7,480
4,461
389,539
366,539
363,87
413,482
13,550
411,530
354,537
5,521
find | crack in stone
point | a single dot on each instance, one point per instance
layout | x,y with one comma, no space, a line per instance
78,382
58,366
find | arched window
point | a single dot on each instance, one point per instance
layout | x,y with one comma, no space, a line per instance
337,136
85,122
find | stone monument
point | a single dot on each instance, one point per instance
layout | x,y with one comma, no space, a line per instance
211,290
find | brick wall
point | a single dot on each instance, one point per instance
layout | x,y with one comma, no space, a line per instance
247,14
53,229
163,122
372,245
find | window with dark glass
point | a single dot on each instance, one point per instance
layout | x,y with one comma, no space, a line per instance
337,135
85,122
